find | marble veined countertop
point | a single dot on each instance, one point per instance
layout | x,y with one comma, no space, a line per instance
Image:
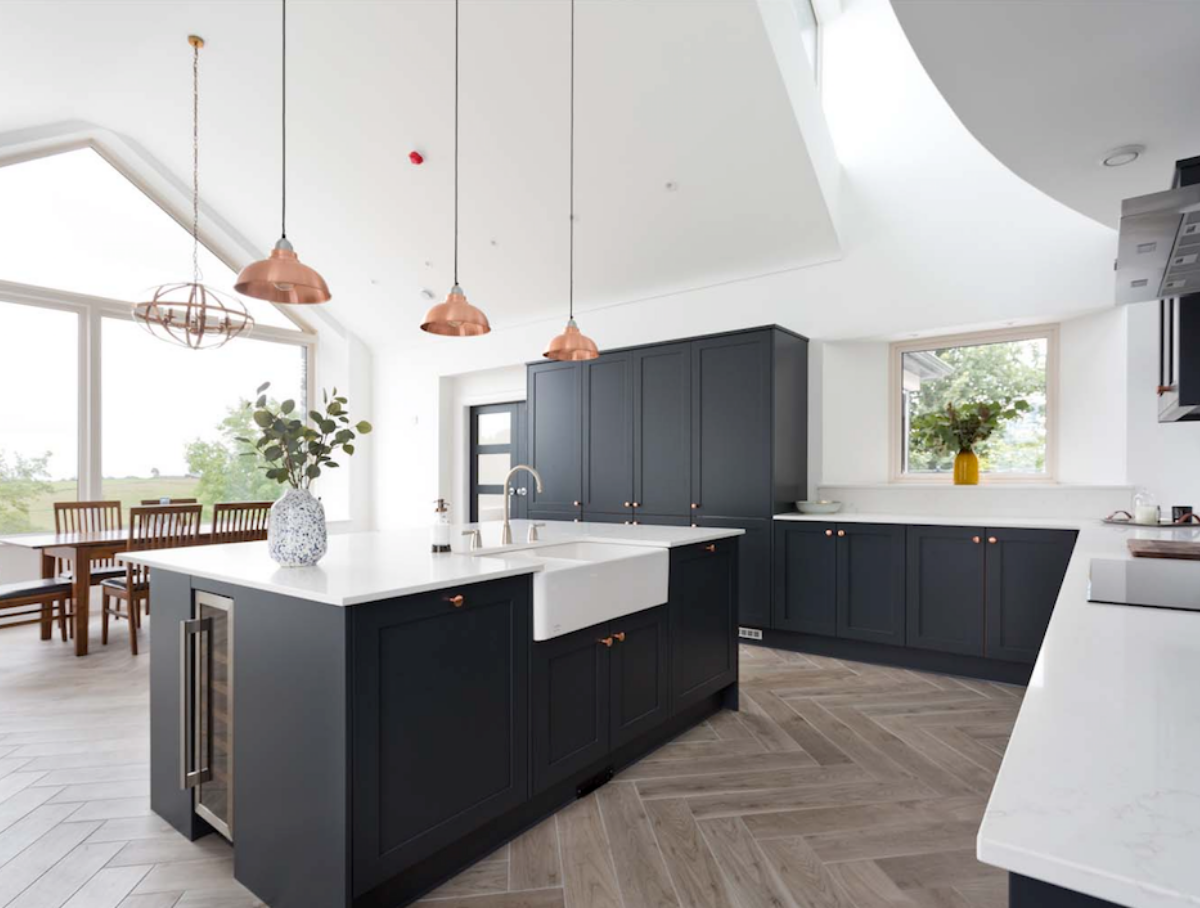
1099,790
366,567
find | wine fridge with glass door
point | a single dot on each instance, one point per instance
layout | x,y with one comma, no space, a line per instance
206,693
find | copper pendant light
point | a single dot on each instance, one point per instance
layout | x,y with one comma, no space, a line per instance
190,313
455,317
281,278
572,345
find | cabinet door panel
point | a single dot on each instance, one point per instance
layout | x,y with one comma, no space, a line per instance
945,589
731,425
703,609
662,429
457,680
1025,570
638,673
805,578
608,434
754,566
570,712
556,435
870,582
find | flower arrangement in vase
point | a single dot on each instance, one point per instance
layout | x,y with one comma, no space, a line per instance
960,429
296,451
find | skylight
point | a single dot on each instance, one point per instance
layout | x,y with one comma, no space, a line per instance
73,222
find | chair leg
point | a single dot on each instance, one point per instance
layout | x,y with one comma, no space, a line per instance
62,618
134,624
104,618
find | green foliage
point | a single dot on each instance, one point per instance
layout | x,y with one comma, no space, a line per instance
963,427
224,474
294,452
22,481
999,374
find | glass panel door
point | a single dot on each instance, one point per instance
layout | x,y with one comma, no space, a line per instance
214,796
496,446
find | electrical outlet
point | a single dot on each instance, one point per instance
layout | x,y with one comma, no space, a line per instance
749,633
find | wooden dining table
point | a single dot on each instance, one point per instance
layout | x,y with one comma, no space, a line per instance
81,550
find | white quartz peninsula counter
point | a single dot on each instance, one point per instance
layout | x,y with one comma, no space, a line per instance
369,566
1099,790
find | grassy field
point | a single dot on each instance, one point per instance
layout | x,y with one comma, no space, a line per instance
130,492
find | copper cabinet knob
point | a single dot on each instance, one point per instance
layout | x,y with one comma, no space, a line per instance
841,533
637,504
455,601
711,547
619,636
992,540
829,532
606,641
575,503
975,539
628,505
694,505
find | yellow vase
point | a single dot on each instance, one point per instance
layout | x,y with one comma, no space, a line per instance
966,469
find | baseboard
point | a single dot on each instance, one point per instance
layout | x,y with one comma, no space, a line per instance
899,656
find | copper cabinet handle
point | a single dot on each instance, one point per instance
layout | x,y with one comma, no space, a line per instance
992,540
619,636
607,641
711,547
455,601
829,532
841,533
975,539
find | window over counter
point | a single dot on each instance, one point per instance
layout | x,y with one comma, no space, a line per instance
1016,369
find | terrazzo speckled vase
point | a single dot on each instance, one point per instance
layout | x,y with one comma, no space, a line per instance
296,535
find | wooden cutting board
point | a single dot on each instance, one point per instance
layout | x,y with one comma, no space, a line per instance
1164,548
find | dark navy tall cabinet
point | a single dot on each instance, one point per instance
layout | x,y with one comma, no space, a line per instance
711,431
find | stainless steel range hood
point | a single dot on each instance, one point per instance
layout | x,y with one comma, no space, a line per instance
1158,254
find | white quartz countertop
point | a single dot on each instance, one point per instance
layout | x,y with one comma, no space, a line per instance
365,567
1099,790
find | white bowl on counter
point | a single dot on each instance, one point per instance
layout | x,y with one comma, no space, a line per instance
818,507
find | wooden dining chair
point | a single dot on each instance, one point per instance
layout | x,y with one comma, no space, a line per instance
87,517
159,527
48,600
240,521
151,502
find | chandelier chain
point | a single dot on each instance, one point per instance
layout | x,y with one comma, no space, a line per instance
196,163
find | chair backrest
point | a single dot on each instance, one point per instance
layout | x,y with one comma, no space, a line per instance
161,527
147,502
240,521
86,516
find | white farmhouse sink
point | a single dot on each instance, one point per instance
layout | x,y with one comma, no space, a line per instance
584,583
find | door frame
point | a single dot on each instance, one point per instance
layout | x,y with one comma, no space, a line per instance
516,449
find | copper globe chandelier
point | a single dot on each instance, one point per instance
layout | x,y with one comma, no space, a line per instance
191,313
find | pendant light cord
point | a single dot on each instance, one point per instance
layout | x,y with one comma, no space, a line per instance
283,118
196,163
455,143
571,232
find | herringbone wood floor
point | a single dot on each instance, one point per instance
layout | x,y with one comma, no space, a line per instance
838,785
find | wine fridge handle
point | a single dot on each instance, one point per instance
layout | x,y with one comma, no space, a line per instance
193,634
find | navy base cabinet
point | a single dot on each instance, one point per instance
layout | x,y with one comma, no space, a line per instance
968,600
704,597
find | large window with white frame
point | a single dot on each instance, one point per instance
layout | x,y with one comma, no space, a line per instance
1014,368
94,406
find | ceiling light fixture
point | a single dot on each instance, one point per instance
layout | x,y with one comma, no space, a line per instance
572,345
190,313
1119,157
281,278
455,317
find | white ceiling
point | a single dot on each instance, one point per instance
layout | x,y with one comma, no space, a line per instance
1049,86
667,91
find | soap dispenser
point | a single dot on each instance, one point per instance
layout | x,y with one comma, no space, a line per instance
441,527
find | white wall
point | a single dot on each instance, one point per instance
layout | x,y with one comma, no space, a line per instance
1165,458
459,393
